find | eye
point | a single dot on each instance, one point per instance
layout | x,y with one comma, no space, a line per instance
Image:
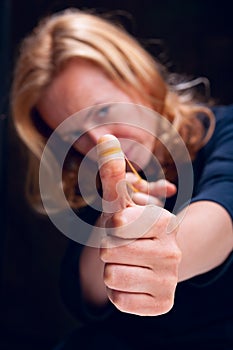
103,112
72,136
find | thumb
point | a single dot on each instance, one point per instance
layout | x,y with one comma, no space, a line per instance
111,162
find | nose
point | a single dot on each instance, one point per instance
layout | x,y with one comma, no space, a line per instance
87,142
95,134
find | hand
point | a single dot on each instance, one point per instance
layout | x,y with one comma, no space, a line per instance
141,259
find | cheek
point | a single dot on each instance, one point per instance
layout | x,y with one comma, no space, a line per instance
51,112
143,138
149,141
86,143
85,146
136,136
126,132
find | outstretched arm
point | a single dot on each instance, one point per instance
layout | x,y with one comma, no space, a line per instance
205,237
133,276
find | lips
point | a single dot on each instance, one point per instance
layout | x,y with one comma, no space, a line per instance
129,153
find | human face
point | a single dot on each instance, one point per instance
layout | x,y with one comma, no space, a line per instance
81,85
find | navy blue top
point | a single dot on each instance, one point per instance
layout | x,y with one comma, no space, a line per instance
201,303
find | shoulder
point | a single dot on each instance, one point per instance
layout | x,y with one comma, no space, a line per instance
223,112
223,131
213,166
223,116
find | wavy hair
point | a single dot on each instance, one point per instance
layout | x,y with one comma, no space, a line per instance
77,34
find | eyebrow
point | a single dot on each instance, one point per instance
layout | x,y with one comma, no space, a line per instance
90,111
69,133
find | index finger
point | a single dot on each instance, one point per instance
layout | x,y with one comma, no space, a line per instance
148,221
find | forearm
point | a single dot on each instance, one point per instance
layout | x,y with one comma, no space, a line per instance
205,238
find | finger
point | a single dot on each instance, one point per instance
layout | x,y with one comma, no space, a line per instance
148,221
139,303
138,279
112,173
144,252
161,188
130,252
140,198
128,278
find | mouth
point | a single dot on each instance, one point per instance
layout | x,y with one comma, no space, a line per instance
129,153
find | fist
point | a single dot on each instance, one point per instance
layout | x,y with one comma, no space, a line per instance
141,273
140,253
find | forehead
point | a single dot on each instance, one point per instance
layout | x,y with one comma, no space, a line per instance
79,77
80,84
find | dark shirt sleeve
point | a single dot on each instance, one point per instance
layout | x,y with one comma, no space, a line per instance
214,166
213,171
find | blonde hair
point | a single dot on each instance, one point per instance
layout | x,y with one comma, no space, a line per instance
71,34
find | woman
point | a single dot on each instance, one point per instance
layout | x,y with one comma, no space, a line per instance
71,62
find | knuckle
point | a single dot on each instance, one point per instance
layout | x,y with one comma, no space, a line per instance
167,282
168,252
178,256
110,276
107,274
104,254
173,280
161,306
117,219
166,304
164,220
166,216
119,299
175,255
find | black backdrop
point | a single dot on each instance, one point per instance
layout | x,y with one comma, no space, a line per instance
197,38
197,34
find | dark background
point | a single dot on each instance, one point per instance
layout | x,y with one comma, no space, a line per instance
197,40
